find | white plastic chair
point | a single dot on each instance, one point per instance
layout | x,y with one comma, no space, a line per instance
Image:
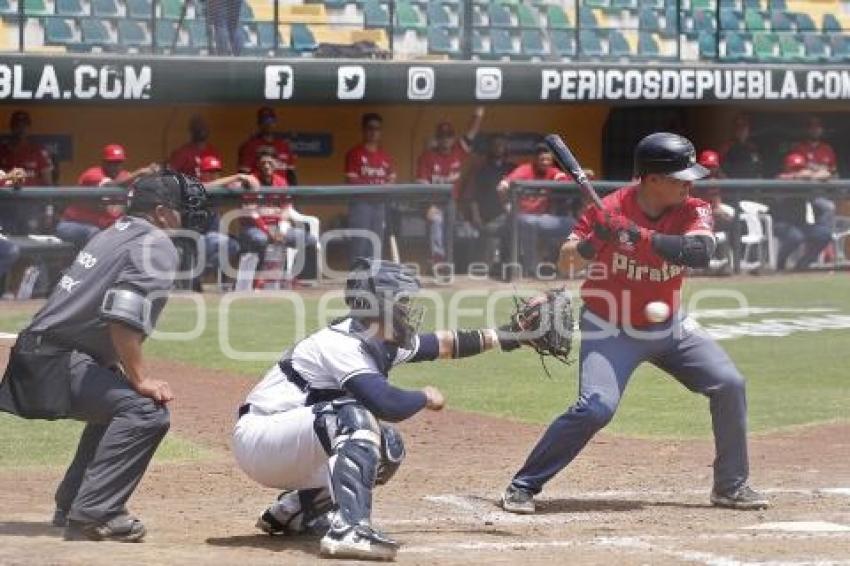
757,241
314,225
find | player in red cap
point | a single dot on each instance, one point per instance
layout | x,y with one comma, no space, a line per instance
740,156
211,169
82,220
442,164
266,141
187,158
818,154
723,213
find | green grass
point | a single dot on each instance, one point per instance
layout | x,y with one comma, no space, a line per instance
793,380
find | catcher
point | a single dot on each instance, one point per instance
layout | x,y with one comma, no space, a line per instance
315,425
640,245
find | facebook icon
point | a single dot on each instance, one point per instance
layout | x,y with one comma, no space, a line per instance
280,82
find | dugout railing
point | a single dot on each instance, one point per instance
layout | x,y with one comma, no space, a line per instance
732,191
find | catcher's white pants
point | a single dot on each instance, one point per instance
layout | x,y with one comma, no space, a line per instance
281,450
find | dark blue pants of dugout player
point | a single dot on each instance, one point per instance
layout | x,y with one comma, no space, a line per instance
681,349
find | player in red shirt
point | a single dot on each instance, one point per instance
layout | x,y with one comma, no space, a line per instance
80,221
537,217
265,141
640,245
187,158
442,164
818,153
368,164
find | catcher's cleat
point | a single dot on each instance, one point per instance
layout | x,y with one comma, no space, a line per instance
120,529
60,517
296,513
518,500
744,498
359,542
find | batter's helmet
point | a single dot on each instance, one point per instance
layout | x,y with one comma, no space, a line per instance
377,289
668,154
177,191
794,162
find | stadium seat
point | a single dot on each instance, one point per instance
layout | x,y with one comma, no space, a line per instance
247,13
36,8
804,22
755,20
624,4
840,48
707,43
439,41
164,35
731,19
557,18
587,19
778,5
139,9
437,15
94,32
589,43
502,43
58,31
132,34
527,17
198,37
704,20
765,46
779,21
7,8
302,38
736,47
597,3
648,20
617,44
702,5
651,4
753,4
375,15
532,43
266,35
407,17
831,23
647,46
170,9
815,48
790,48
500,15
69,8
479,47
107,9
563,42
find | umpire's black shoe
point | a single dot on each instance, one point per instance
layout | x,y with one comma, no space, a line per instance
120,529
518,500
60,517
744,498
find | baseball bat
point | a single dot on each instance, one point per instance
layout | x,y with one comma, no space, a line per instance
568,163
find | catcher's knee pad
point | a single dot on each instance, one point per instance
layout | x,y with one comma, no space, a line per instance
392,453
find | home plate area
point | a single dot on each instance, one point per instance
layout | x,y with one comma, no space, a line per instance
804,526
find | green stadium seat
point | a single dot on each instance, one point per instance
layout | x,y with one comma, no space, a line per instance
69,8
246,14
139,9
736,47
440,42
779,21
707,44
596,3
437,15
302,38
36,8
94,32
164,35
500,15
651,4
107,9
765,46
563,42
617,45
7,9
132,34
531,41
731,19
407,17
198,37
57,31
648,20
624,4
704,20
527,16
702,5
557,18
266,32
502,43
170,9
647,46
831,23
815,48
752,4
804,22
791,48
589,44
840,47
778,5
478,46
587,19
375,15
755,20
728,4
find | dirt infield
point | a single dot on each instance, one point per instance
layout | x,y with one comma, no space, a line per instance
625,501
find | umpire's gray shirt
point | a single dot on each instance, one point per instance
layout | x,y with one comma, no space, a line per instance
131,254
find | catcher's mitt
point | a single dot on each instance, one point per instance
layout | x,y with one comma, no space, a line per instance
543,322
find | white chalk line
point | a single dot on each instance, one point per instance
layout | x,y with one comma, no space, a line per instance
8,336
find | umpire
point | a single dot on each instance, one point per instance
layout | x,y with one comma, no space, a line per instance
81,357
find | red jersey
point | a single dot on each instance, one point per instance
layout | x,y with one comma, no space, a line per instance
89,212
442,168
817,153
29,156
364,167
266,212
258,145
187,158
625,278
535,203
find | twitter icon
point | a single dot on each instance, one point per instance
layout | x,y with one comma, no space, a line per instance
351,82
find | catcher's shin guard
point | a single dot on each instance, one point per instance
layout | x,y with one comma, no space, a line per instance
392,453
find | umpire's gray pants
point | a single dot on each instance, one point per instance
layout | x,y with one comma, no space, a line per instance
605,365
124,430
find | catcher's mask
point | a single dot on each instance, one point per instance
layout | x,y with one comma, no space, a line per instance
175,190
382,290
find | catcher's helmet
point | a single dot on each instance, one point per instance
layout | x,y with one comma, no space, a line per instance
381,290
668,154
177,191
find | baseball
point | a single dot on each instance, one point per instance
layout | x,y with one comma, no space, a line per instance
656,311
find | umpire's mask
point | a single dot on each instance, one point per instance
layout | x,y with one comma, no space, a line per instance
175,190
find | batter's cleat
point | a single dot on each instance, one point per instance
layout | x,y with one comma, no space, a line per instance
124,528
744,498
361,542
518,500
60,518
